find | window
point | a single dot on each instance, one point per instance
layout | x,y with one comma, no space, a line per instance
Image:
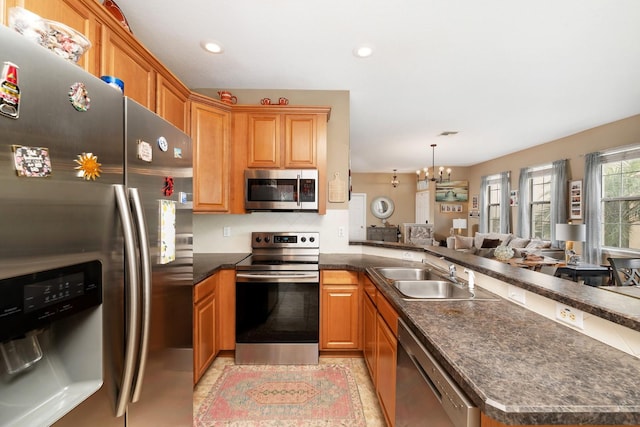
621,200
540,205
493,206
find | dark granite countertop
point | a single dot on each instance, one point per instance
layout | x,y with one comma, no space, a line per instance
517,366
204,265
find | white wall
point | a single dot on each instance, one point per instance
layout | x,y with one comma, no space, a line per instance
208,229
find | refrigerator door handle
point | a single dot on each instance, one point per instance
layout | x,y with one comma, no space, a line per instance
145,261
132,297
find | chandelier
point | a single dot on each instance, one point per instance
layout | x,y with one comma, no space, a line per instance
394,180
441,171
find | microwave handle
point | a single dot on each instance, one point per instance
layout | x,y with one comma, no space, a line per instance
299,190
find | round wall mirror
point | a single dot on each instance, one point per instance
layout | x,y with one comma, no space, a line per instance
382,207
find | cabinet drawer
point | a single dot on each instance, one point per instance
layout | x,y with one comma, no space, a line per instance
330,277
204,288
387,312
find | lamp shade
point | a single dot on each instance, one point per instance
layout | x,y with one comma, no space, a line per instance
459,223
571,232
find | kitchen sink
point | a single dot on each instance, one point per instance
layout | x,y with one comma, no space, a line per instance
412,290
431,289
421,284
408,273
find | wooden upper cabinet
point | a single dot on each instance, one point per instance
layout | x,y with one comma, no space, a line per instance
301,141
263,141
130,64
73,13
285,137
210,127
172,101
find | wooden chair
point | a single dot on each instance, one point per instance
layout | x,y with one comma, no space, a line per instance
626,271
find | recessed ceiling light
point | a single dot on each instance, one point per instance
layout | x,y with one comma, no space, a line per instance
211,46
363,51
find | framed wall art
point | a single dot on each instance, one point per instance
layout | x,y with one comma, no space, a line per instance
575,199
450,208
452,191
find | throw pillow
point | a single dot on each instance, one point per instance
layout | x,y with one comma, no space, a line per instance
463,242
538,244
518,242
490,243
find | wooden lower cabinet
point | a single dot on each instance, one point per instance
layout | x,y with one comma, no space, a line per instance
380,347
369,330
226,299
204,326
339,310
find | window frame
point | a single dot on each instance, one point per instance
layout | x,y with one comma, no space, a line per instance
493,185
546,173
609,158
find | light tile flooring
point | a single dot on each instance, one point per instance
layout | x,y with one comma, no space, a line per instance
370,405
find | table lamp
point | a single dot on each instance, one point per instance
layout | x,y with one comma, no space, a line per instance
570,233
460,223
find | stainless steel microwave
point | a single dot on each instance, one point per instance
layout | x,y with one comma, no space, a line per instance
281,190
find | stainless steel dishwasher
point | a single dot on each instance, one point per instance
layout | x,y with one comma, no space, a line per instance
425,394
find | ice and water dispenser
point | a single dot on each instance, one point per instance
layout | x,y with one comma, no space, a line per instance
50,342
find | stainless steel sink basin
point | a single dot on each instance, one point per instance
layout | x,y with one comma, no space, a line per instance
432,289
422,284
408,273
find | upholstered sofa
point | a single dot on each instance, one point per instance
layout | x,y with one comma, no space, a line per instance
484,244
417,234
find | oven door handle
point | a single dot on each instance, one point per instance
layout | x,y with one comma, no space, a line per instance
278,276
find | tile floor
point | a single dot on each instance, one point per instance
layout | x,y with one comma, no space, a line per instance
370,405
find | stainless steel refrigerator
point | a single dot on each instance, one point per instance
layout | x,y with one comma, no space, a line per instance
96,268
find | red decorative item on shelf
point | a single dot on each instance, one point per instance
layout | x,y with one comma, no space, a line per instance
114,9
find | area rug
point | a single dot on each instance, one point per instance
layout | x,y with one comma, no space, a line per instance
282,396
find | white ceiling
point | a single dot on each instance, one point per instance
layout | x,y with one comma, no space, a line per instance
505,74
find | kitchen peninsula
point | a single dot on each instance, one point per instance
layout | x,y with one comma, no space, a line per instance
518,367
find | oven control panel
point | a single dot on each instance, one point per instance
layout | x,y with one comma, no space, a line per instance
287,239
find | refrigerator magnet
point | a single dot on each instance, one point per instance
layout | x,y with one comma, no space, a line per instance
31,162
79,97
163,144
177,153
88,167
167,190
145,152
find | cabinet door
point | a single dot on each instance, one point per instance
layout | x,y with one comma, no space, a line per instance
131,65
263,141
300,141
226,298
74,14
210,135
386,370
369,324
340,315
204,340
171,102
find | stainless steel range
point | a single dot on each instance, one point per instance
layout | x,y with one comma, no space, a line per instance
278,300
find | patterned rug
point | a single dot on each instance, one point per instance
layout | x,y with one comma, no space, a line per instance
282,395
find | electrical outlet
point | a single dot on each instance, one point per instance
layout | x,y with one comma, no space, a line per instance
226,231
569,315
517,294
340,231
